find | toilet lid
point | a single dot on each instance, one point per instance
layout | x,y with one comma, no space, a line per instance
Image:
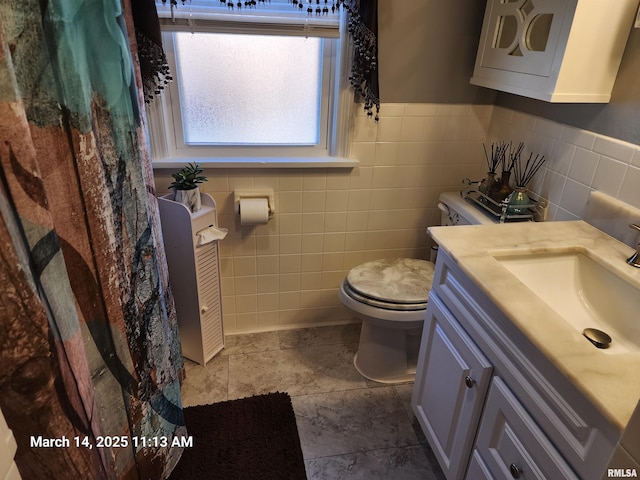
394,280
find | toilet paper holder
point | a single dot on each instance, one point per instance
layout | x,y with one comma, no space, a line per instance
254,193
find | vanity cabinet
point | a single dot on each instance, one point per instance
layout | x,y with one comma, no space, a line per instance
553,50
489,401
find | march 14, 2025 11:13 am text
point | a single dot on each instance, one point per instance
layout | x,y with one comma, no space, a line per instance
120,441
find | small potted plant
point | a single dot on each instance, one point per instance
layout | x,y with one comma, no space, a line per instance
186,186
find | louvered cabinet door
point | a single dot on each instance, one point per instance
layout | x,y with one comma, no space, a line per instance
208,279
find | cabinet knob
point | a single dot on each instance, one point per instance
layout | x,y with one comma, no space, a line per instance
515,470
468,381
204,309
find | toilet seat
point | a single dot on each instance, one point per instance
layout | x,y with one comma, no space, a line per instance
400,284
374,302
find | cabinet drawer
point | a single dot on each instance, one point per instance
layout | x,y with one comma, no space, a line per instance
510,443
451,383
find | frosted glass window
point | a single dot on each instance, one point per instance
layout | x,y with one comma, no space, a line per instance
249,89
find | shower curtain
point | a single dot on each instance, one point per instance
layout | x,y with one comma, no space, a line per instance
90,361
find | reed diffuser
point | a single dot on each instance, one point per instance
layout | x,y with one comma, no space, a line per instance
503,186
493,162
523,173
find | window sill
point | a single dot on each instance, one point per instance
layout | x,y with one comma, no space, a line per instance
303,162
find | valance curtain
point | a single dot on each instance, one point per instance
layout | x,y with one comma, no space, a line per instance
88,336
363,29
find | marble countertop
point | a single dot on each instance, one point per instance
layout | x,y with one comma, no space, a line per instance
610,381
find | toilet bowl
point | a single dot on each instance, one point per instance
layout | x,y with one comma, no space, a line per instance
390,297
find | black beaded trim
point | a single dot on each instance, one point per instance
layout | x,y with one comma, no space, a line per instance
364,71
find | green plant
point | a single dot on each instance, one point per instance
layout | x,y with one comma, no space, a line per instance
188,178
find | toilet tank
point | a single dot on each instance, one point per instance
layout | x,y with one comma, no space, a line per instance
455,210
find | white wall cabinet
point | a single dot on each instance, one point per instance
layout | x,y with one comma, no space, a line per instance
194,274
553,50
490,403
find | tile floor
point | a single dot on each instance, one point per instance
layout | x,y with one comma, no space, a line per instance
350,427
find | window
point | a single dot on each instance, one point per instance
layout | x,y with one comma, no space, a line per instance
262,87
269,90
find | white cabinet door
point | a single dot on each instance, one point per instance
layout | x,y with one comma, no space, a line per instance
209,299
510,443
524,37
451,384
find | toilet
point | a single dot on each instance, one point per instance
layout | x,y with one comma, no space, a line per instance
390,297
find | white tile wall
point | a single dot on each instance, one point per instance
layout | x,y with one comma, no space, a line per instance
287,273
578,161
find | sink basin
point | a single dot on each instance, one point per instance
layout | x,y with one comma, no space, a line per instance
583,292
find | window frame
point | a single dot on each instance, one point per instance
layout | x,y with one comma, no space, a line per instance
164,117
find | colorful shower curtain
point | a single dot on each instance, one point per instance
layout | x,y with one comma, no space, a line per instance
90,362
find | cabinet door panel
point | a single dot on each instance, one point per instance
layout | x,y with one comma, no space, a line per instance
451,384
523,40
512,445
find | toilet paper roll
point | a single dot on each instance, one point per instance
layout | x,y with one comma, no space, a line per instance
254,211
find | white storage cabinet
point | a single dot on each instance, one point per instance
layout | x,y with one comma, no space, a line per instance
553,50
194,274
